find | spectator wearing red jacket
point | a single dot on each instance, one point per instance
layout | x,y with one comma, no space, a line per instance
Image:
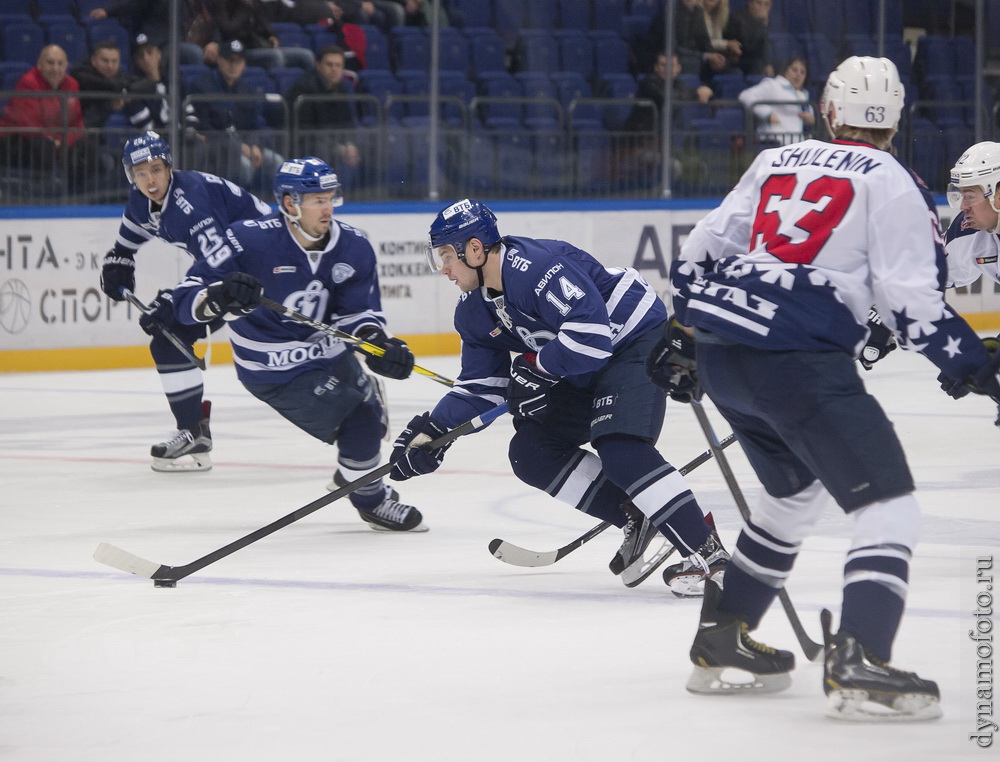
37,131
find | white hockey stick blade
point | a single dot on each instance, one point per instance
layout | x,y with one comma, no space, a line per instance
116,558
517,556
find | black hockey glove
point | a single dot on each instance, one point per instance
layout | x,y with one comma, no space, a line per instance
238,293
397,362
527,393
671,364
408,458
880,342
117,272
161,313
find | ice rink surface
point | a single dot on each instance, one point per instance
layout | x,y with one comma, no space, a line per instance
329,641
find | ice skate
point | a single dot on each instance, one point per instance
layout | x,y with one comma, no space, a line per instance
629,561
394,516
339,480
724,651
686,579
862,688
187,450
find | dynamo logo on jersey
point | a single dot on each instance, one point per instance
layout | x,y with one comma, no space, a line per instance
341,272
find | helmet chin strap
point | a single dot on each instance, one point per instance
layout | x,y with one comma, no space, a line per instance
294,222
479,268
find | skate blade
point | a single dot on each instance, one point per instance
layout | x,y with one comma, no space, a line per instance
721,681
692,585
640,569
186,463
421,527
857,706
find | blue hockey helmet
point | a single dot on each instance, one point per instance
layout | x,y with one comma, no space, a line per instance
296,177
459,223
144,149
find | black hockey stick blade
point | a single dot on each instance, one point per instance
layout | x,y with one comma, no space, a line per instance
348,338
515,555
814,651
122,560
183,348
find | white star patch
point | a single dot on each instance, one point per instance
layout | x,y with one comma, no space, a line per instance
952,347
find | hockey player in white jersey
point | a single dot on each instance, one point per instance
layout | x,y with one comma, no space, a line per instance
326,270
777,283
972,243
192,210
581,333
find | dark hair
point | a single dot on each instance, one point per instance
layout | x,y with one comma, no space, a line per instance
108,44
789,61
330,50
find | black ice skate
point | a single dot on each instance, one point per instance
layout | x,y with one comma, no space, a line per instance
188,449
393,516
723,644
863,688
687,578
629,561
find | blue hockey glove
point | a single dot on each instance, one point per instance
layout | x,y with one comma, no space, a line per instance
986,381
880,342
117,272
238,293
527,393
161,312
397,362
408,458
671,364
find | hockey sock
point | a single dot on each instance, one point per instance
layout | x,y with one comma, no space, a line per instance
656,488
759,567
370,496
181,380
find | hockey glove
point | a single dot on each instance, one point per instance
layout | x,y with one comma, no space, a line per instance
397,362
527,393
880,342
117,272
986,380
237,293
408,458
161,313
672,366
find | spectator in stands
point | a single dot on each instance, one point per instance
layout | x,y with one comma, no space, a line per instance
231,130
41,133
334,117
781,104
151,112
749,26
691,40
244,20
101,73
152,18
419,12
653,87
716,19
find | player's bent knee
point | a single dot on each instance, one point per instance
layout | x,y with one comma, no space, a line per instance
892,521
790,518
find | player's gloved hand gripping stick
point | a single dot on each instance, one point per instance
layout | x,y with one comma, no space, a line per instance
183,348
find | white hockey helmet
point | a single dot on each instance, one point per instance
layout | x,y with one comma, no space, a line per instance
863,92
978,166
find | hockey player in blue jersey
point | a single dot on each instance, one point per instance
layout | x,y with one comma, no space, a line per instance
777,283
325,270
581,332
192,210
972,243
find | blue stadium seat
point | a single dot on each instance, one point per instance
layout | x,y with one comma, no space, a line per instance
948,115
549,152
574,14
107,29
537,51
540,116
488,53
647,8
482,163
576,52
11,72
72,38
608,14
380,84
797,17
455,85
376,48
784,46
291,35
454,51
827,18
860,45
320,36
53,7
634,28
285,76
511,17
611,56
505,116
963,51
860,17
471,13
191,73
591,150
410,48
618,87
22,41
729,86
543,14
821,57
515,165
572,87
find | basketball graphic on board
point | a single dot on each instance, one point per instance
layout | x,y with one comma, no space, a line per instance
15,306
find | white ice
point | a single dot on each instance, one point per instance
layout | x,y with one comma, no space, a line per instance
329,641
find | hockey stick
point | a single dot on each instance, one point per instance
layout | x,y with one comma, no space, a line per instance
813,651
515,555
183,348
349,338
167,576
